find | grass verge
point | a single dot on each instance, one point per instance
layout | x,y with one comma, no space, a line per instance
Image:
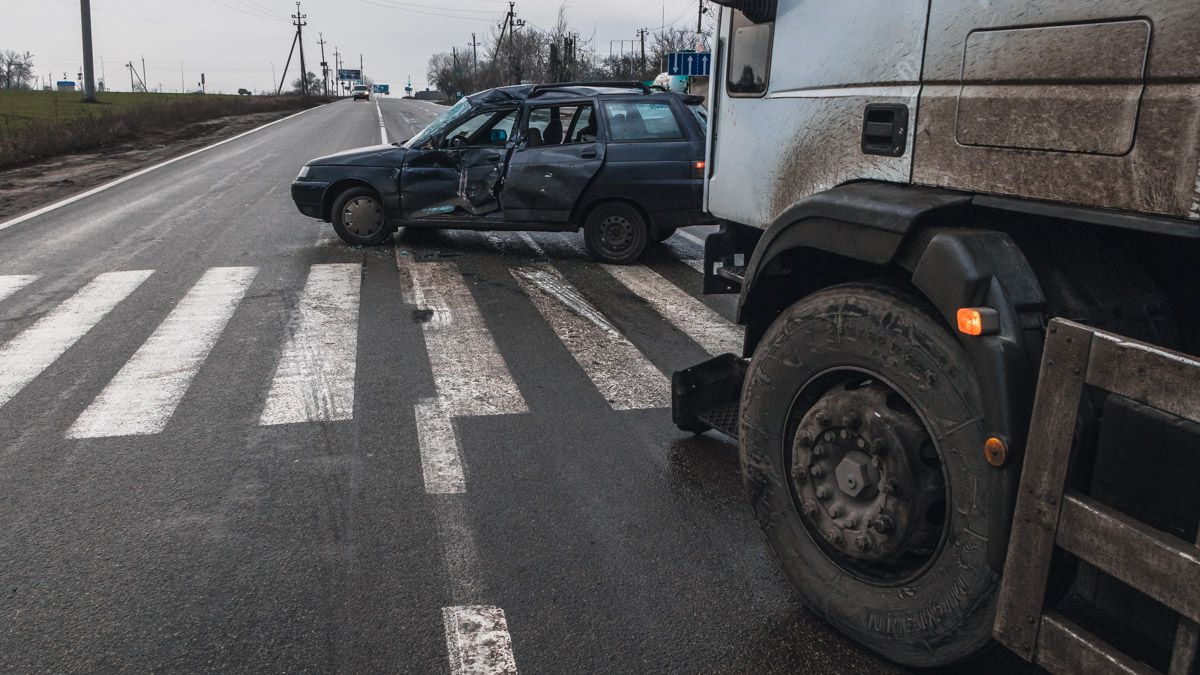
37,125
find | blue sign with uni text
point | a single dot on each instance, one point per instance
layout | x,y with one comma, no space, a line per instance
689,64
344,74
383,89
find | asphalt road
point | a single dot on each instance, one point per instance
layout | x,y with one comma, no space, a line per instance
230,442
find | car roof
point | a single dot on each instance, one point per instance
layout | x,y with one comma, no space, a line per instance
574,90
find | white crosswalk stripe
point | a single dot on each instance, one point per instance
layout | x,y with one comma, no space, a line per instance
626,379
709,329
24,357
314,381
478,641
144,394
12,283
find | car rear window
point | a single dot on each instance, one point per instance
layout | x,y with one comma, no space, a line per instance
642,121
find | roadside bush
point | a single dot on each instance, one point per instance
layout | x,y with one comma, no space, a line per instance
103,125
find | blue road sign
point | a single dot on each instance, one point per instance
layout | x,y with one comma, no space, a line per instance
343,74
383,89
689,64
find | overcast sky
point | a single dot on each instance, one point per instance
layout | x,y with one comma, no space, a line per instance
234,42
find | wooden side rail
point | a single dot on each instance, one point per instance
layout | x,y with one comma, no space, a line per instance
1048,515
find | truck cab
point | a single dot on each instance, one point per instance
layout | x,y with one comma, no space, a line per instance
911,193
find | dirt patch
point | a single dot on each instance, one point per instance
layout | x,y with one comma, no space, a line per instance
34,185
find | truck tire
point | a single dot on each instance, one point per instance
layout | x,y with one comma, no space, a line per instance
358,217
881,525
615,233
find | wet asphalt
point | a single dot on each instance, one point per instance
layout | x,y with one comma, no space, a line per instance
613,542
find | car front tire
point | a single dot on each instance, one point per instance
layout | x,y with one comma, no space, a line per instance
359,218
615,233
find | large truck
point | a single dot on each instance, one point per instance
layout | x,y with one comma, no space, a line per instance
966,242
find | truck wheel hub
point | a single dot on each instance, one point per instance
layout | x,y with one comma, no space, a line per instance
864,486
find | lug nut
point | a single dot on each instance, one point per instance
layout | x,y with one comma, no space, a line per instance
809,509
862,544
818,451
799,473
816,472
860,443
822,493
883,524
835,538
835,512
852,523
829,437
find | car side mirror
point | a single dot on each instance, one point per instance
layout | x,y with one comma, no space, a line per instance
498,136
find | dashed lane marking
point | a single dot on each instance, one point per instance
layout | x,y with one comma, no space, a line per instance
144,394
469,374
708,328
24,357
478,641
314,381
626,379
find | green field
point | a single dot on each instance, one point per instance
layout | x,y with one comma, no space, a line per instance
39,124
20,108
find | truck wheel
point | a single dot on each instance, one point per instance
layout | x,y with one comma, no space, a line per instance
358,217
663,234
861,449
615,233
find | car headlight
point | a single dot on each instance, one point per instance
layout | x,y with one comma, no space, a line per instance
304,172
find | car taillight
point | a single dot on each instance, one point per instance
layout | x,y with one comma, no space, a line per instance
697,169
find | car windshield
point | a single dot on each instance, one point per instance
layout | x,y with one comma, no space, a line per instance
439,125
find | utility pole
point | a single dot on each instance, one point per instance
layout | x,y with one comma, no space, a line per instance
642,34
475,58
183,85
337,70
145,87
89,78
361,75
300,24
324,66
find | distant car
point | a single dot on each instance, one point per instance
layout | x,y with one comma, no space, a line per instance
362,91
244,92
624,164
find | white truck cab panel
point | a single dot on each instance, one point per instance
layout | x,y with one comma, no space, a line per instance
804,134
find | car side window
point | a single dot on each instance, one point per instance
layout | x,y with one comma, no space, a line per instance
643,121
560,125
492,128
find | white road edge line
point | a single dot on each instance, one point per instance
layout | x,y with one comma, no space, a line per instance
141,172
382,127
478,641
142,397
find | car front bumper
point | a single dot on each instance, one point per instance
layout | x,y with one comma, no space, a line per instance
309,197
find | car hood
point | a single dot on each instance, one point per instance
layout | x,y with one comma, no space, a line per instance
375,155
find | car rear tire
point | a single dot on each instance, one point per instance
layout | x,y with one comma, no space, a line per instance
663,234
615,233
861,450
359,219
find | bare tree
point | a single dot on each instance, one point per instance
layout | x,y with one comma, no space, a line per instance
16,70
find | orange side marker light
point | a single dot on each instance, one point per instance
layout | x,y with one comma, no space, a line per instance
978,321
996,452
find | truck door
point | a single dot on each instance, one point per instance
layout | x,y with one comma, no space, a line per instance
460,175
558,155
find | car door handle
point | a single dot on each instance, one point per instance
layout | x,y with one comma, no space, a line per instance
492,158
588,154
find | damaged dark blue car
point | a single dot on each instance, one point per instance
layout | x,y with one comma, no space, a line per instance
621,162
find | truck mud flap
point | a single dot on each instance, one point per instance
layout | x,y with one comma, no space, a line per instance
706,396
1052,516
